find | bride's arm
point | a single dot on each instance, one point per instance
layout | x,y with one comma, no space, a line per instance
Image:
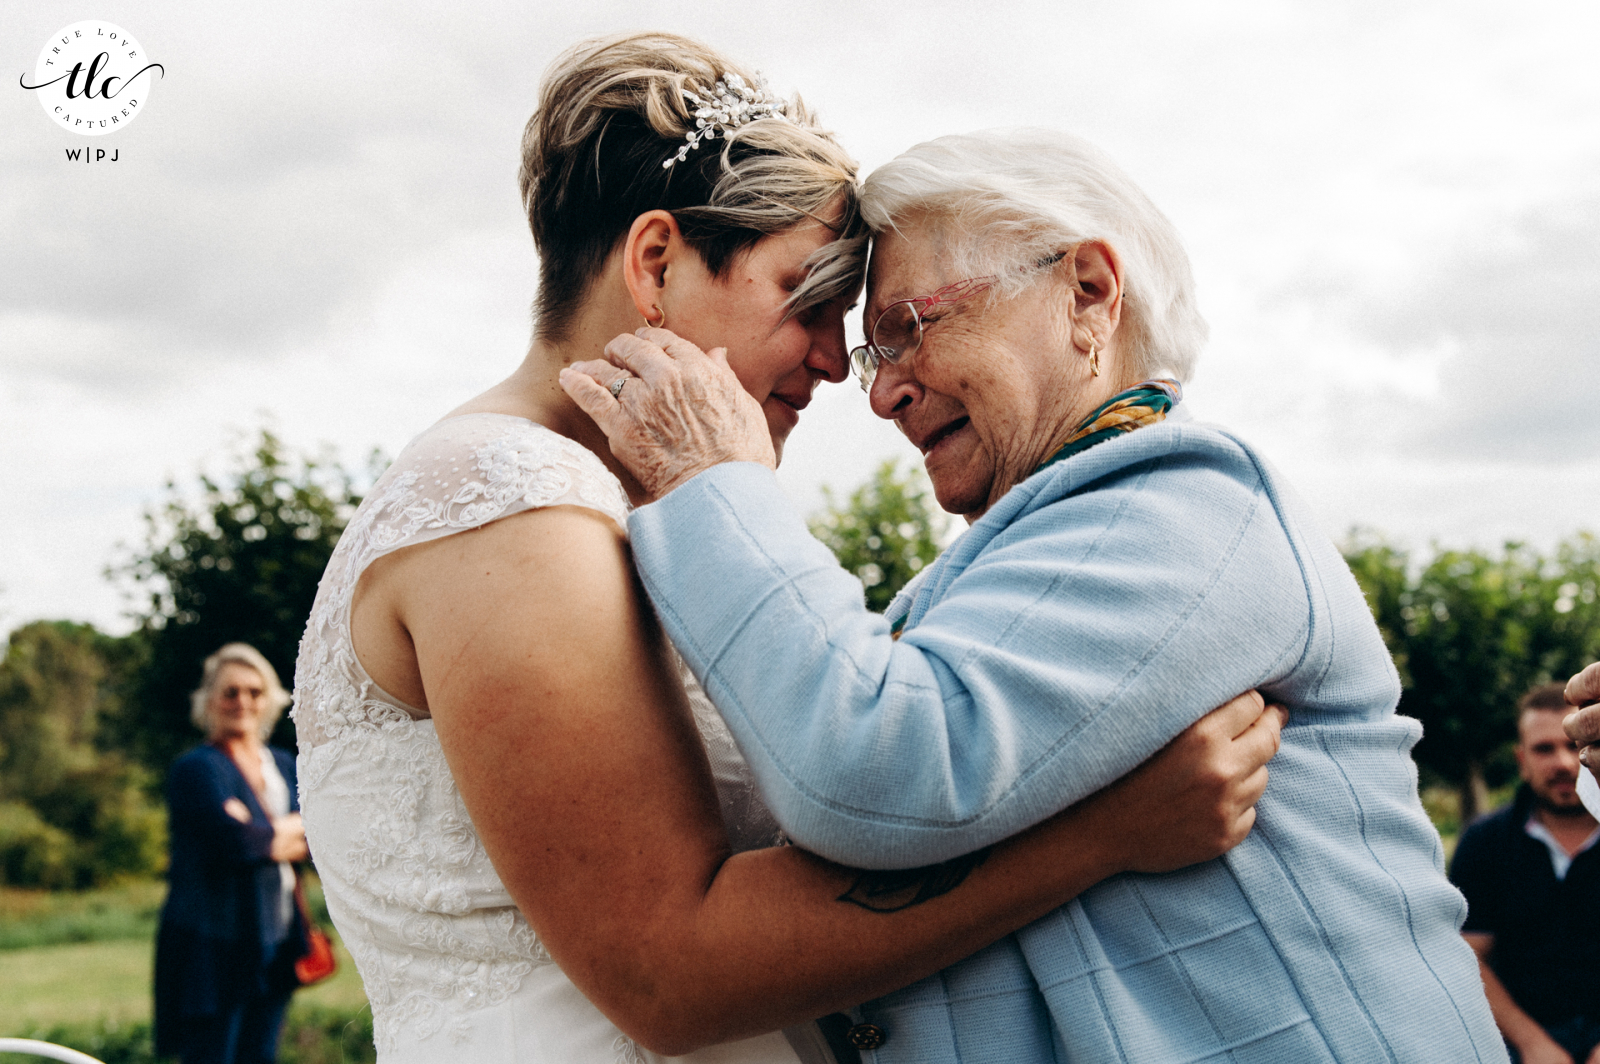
568,733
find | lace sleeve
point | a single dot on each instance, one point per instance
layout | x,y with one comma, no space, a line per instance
460,474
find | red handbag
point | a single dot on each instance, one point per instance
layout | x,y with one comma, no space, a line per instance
319,962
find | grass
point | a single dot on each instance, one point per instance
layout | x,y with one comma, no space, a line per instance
77,982
75,970
83,982
33,918
311,1035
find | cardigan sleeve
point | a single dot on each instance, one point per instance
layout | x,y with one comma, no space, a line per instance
1068,647
197,792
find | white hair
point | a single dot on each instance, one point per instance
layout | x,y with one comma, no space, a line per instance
1015,197
248,656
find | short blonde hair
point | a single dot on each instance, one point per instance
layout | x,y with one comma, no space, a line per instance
1015,197
611,111
238,654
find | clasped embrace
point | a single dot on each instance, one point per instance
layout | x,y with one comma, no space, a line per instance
577,667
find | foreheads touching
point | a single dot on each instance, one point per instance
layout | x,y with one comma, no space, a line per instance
613,111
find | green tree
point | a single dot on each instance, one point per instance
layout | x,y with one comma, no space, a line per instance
241,562
72,812
1470,633
885,533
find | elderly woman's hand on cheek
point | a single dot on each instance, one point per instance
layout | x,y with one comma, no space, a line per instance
1583,727
669,410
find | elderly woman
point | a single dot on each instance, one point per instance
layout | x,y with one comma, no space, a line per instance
1125,570
230,931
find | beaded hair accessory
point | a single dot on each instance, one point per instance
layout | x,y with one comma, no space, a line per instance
732,103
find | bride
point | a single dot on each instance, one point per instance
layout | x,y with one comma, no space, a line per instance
537,839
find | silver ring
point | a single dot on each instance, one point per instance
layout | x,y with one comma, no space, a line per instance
616,387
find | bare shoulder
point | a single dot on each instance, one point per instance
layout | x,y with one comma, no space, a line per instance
532,632
509,586
548,553
557,706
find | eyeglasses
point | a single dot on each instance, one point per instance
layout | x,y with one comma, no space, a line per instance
897,333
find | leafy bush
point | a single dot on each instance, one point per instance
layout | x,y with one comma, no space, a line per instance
241,562
885,533
33,853
1470,632
73,814
117,829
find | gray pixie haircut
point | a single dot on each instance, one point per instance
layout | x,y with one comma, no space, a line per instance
238,654
1014,197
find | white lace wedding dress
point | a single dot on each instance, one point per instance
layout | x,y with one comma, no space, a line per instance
453,971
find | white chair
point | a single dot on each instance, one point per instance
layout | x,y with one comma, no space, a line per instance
45,1049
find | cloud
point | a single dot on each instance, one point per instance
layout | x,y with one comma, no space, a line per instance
318,216
1519,305
1479,350
263,193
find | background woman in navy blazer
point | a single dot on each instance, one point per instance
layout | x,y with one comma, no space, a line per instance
230,931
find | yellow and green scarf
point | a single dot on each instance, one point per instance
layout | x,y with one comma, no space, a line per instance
1144,404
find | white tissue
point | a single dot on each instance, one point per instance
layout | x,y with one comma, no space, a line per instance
1589,792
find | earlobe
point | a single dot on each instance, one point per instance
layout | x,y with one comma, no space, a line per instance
1097,298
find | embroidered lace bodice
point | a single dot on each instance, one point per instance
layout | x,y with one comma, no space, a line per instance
451,967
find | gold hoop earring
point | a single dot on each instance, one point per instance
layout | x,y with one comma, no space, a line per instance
662,324
1094,359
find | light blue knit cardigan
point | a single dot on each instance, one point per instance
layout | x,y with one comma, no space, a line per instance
1097,610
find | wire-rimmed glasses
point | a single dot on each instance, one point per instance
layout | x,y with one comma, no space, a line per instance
897,333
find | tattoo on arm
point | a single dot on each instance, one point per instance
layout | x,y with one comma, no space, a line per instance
892,891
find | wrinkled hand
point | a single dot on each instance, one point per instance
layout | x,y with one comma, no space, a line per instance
1583,727
1195,799
681,411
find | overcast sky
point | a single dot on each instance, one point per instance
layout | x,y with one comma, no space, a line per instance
314,226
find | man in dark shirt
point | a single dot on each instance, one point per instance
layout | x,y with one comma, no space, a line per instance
1531,874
